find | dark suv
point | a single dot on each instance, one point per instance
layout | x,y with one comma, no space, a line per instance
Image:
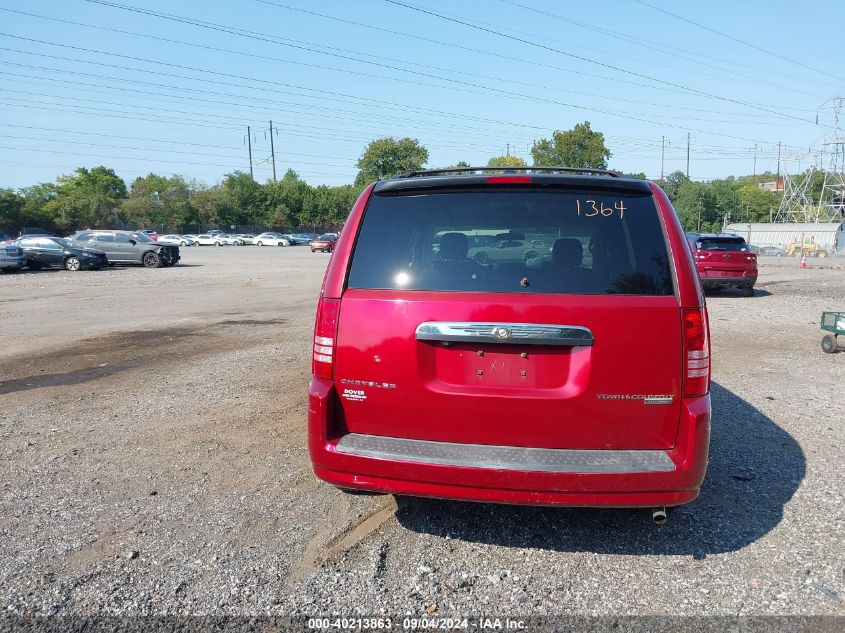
579,376
127,247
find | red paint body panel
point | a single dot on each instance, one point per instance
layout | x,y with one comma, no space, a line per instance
638,489
456,394
441,396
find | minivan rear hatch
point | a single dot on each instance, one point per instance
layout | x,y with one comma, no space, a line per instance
534,314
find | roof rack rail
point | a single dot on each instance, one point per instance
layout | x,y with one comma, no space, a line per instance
510,170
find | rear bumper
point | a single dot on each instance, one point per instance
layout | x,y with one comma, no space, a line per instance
728,282
413,476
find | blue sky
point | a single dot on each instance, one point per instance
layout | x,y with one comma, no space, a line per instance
175,94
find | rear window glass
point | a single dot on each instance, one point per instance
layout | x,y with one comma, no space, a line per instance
722,244
513,241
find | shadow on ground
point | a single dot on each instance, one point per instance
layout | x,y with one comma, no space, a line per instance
755,468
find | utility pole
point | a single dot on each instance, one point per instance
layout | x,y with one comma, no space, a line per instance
754,169
778,179
662,154
509,150
272,151
687,154
249,143
699,214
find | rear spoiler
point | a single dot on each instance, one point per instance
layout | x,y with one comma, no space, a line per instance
456,178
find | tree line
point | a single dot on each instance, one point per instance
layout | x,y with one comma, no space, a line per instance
98,197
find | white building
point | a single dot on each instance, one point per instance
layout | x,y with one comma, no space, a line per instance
828,235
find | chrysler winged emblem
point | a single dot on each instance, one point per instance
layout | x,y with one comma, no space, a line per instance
501,333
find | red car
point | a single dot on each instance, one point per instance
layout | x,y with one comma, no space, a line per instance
724,261
580,377
325,243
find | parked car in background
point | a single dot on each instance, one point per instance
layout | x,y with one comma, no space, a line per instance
5,238
43,252
12,257
771,251
34,230
127,247
179,240
295,240
150,233
215,232
325,243
271,239
582,383
229,240
509,246
206,239
246,238
304,238
724,261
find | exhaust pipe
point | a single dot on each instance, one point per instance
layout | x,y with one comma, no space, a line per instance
659,516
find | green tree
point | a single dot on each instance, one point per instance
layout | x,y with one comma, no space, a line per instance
86,198
288,202
755,203
506,161
11,210
387,157
210,206
578,147
245,200
159,201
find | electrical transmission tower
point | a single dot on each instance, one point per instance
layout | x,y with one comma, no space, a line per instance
798,203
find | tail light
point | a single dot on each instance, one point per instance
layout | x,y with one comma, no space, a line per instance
696,352
325,331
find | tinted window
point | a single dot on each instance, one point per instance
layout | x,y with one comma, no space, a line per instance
30,243
516,241
105,237
722,244
48,244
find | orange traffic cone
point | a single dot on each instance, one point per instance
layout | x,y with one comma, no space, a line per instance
803,262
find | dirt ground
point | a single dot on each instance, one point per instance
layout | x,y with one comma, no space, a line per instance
153,460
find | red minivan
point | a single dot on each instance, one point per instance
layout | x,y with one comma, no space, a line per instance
724,261
579,376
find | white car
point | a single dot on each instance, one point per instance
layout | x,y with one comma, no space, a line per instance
230,240
271,239
246,238
209,240
179,240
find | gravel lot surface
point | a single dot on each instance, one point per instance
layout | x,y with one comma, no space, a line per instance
153,460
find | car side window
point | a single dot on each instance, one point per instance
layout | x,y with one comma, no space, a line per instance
105,237
85,237
122,239
49,245
28,243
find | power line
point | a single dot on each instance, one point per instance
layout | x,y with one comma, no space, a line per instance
458,131
284,42
309,47
587,59
152,149
696,56
736,39
153,140
207,71
155,160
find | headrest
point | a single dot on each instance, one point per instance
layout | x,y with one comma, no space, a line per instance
453,246
567,252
